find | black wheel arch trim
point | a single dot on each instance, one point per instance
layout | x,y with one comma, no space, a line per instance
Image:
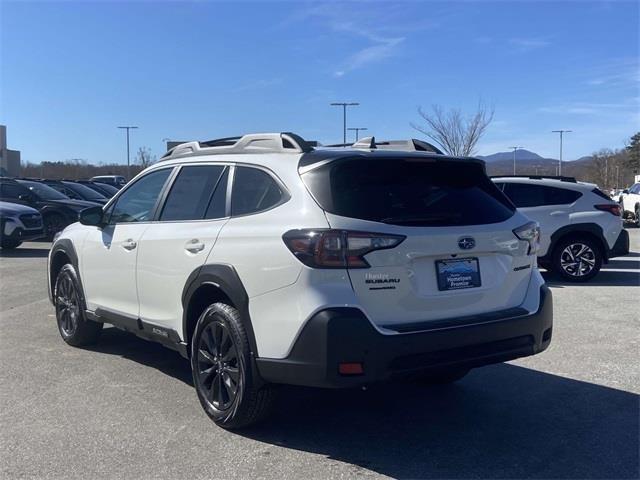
575,228
64,246
225,278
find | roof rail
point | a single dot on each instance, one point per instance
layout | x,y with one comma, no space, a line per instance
562,178
284,142
410,145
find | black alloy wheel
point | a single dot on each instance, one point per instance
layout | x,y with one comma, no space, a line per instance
74,328
224,373
67,305
219,370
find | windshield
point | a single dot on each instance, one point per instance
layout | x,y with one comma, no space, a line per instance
43,191
408,192
85,192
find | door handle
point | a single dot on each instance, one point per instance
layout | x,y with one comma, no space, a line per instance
194,246
129,244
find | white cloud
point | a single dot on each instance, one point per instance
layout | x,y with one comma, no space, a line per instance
588,108
372,54
384,29
528,44
617,72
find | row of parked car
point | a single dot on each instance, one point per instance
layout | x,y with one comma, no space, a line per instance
36,208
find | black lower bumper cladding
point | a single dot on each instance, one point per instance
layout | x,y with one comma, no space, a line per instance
345,335
621,247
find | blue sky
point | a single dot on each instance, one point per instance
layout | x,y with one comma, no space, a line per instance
73,71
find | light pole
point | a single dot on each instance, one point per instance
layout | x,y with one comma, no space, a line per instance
514,158
127,128
561,132
357,130
344,106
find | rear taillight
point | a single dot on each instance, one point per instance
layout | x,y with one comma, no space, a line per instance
612,208
337,248
529,232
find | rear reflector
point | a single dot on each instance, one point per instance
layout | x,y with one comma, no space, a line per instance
350,369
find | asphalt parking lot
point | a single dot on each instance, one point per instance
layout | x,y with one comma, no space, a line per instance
126,408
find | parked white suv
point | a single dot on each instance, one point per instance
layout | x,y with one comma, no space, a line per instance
266,262
581,227
630,203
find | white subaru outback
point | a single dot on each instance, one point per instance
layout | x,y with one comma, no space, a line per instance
266,261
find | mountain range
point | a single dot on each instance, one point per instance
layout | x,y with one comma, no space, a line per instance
527,162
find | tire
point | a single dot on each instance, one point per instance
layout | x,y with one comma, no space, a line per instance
10,244
636,219
73,325
53,223
577,259
444,377
224,374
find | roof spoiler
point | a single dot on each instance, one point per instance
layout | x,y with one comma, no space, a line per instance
410,145
540,177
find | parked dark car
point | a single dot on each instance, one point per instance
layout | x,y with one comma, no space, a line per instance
18,223
57,210
76,191
103,188
117,181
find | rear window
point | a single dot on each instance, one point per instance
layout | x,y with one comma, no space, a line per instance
601,194
409,192
253,191
525,195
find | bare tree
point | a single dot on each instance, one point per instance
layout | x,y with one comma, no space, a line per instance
602,166
456,133
144,157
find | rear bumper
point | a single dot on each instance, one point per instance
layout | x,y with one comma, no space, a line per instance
345,335
621,247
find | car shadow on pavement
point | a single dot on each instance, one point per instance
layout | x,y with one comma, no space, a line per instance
605,278
502,421
621,263
25,253
126,345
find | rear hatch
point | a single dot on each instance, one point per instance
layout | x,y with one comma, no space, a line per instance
459,256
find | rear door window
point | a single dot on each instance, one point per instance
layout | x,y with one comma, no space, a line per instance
411,191
193,192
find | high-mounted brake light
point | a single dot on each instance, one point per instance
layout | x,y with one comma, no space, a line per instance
337,248
529,232
612,208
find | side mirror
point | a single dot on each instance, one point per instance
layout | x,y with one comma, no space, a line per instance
625,191
91,216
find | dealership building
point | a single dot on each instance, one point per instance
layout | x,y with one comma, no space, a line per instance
9,159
